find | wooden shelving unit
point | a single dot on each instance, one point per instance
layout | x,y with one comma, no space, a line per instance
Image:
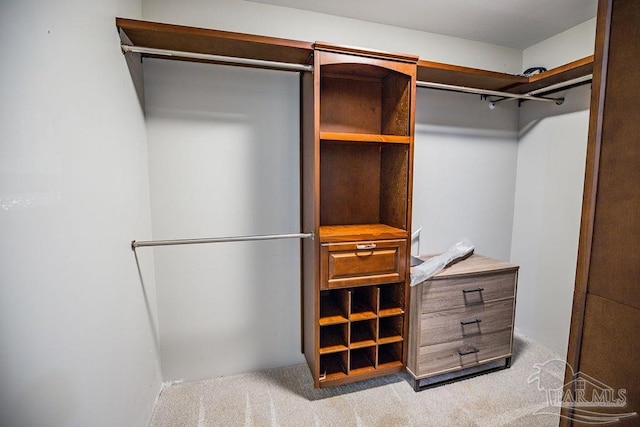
357,150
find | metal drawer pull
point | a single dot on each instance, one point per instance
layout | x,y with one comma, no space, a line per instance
472,351
471,322
363,247
464,291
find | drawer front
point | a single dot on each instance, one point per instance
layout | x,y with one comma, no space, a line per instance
363,263
440,358
466,321
442,294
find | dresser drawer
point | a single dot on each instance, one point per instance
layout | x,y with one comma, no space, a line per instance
460,354
363,263
446,293
466,321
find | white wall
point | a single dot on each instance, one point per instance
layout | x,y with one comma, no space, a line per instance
276,21
570,45
224,161
76,342
464,172
546,225
549,186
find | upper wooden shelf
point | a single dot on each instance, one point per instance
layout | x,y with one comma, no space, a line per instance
347,233
364,137
224,43
437,72
573,70
213,42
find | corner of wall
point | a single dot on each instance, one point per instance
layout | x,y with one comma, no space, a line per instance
570,45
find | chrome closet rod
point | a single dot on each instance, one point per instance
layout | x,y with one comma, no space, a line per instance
554,88
285,66
137,244
488,92
558,86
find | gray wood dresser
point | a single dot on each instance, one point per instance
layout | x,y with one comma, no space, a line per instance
461,321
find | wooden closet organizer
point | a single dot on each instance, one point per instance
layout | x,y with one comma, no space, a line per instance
356,179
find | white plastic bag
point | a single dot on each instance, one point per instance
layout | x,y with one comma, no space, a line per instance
434,264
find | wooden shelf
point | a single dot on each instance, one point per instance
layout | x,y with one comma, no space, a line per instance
573,70
225,43
337,233
364,137
360,342
390,339
213,42
331,315
362,315
389,312
436,72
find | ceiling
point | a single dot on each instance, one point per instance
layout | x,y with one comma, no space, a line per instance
513,23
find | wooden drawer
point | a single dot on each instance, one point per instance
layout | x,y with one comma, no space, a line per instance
466,321
446,293
460,354
363,263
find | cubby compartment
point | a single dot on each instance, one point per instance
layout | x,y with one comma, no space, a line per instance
334,307
362,360
389,355
392,299
334,338
364,183
334,365
363,303
390,329
364,99
363,333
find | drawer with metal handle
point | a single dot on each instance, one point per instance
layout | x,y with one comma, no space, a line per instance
466,321
447,293
440,358
363,263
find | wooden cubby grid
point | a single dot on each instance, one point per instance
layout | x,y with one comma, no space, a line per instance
361,330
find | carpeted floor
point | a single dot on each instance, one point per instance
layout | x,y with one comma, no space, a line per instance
286,397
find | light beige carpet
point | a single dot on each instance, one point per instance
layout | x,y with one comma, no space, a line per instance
286,397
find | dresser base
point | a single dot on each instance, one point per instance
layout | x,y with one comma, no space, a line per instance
420,384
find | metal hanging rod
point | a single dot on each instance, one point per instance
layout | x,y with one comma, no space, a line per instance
554,88
558,86
284,66
477,91
137,244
